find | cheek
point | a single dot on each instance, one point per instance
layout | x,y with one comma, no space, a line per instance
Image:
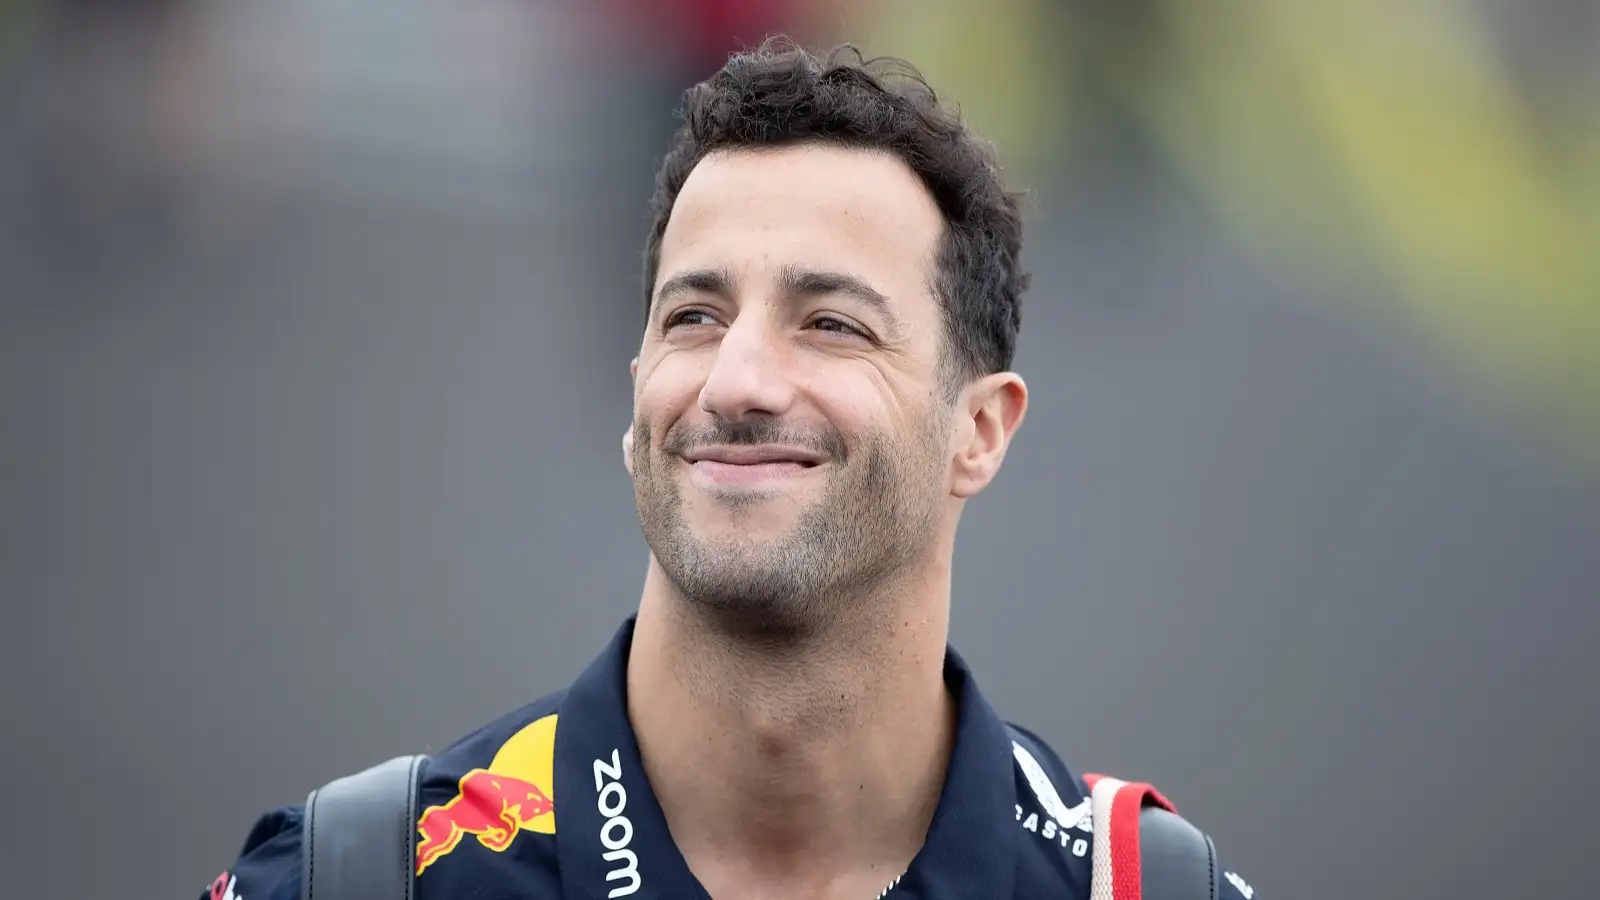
906,433
925,431
860,412
869,402
853,405
669,391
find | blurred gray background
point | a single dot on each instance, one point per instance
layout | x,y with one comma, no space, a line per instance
315,319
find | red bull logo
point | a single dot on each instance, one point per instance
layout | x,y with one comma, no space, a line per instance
495,804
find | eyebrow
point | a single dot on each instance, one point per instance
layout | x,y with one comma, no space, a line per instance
718,282
793,281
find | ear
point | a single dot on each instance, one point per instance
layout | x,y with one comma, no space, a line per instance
993,407
627,436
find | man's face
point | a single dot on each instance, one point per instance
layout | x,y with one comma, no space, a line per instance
791,440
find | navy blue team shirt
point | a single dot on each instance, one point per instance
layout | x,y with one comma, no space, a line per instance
551,801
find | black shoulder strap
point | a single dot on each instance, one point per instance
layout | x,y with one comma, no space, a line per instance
1177,861
360,835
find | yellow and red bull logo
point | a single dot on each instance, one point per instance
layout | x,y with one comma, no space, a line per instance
514,794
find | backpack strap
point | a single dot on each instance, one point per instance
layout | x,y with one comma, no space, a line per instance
1177,860
360,835
1143,850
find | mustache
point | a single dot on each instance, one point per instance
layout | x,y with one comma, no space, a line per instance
754,431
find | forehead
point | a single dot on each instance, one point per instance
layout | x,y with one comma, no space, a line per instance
861,212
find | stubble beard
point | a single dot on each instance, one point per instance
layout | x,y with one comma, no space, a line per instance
875,519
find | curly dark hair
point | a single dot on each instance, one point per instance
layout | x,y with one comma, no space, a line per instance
780,94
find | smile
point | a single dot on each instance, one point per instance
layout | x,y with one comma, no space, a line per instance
749,466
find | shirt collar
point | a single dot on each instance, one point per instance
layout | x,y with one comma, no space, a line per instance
610,830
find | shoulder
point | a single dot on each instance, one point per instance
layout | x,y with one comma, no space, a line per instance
1045,784
1063,820
487,807
528,729
1055,827
268,864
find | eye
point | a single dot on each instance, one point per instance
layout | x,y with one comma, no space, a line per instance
688,316
836,326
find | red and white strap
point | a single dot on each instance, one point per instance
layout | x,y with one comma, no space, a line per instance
1116,805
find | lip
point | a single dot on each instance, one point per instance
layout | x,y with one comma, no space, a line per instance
754,456
750,468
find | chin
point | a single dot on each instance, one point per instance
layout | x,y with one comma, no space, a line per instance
718,507
743,528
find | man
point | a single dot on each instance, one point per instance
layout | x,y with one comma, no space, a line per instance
823,382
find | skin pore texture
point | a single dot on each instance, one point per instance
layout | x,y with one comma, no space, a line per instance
800,464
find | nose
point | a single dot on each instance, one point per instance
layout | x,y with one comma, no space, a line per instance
749,376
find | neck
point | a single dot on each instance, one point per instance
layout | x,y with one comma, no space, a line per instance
813,766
